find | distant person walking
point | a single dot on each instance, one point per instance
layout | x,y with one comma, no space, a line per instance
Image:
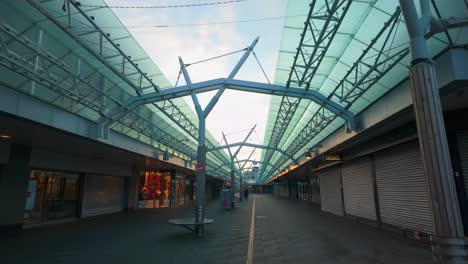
246,193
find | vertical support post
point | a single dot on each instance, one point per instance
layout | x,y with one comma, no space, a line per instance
448,235
201,152
232,190
240,186
447,225
201,179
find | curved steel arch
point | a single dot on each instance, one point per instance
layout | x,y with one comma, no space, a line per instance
226,83
255,146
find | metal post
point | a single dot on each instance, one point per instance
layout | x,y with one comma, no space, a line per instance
232,192
201,180
240,186
447,225
448,235
201,152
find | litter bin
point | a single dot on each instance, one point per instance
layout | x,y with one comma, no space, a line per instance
225,200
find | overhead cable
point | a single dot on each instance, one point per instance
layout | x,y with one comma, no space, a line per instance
208,23
216,57
165,6
259,64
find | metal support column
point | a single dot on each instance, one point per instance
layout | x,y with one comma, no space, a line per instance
201,180
448,235
241,182
232,190
447,224
201,152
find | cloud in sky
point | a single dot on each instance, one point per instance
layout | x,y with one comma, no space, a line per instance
235,111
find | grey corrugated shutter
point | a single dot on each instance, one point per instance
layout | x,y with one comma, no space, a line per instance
330,190
315,188
103,195
358,192
281,189
402,189
462,142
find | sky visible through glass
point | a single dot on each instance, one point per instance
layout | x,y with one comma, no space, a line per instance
236,112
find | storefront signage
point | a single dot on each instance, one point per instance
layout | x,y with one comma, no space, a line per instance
199,167
332,157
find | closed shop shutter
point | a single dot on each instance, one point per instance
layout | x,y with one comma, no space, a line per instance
462,142
330,190
402,189
292,188
358,193
281,189
315,188
103,195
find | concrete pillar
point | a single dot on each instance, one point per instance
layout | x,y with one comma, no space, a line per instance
448,232
14,178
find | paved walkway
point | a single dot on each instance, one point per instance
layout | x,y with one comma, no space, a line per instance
286,231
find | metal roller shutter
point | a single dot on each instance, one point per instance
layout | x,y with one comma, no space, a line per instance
358,193
281,189
402,189
103,195
315,188
462,142
330,190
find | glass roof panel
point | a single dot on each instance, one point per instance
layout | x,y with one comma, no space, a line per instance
100,87
363,20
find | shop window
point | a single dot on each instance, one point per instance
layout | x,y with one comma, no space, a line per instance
160,190
51,196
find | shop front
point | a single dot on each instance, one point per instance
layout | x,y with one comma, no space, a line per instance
51,196
161,189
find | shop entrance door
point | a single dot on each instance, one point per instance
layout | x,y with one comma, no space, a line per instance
177,193
51,196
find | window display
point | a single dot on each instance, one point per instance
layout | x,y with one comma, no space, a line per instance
154,189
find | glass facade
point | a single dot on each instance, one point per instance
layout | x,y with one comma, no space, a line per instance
51,196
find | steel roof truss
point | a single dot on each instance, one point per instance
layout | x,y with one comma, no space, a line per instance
360,78
307,60
98,50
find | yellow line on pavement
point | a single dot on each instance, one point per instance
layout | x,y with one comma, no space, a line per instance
252,233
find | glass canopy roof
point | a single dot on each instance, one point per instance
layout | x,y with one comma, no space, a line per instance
358,24
85,61
70,62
